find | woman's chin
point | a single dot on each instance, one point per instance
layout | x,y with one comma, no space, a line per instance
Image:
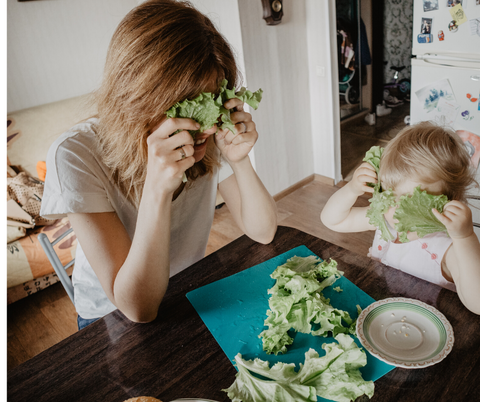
199,151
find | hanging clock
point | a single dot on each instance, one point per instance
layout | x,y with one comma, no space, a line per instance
272,11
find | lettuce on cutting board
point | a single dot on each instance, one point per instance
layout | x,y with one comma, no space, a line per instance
297,303
335,376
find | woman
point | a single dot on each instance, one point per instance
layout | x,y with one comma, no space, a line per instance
118,176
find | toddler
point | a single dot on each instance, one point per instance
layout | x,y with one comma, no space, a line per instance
421,158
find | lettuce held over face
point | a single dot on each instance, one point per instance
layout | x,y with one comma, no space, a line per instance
206,110
414,212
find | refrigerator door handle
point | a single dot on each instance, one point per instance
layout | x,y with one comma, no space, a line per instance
475,77
437,62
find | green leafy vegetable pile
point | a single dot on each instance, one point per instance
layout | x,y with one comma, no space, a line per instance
414,212
206,110
334,376
297,302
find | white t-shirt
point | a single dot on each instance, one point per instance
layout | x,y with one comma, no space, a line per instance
78,181
421,258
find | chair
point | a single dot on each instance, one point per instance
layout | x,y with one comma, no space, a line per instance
59,268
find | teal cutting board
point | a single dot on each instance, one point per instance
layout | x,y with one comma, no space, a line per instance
234,310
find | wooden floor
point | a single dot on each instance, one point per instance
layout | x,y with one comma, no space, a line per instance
47,317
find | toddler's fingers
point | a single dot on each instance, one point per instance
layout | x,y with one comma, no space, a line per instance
368,189
364,178
441,217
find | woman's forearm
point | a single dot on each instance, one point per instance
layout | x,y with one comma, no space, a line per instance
142,281
257,208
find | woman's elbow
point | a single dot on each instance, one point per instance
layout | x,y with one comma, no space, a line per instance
267,239
141,317
265,236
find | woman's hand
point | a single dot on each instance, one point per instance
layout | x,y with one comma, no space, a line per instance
364,174
457,218
236,147
169,156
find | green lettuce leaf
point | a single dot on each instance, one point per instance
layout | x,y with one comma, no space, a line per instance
297,303
206,110
414,214
249,388
373,156
334,376
380,203
202,109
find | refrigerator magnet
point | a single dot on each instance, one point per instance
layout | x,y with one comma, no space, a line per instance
430,5
426,27
425,38
453,27
453,3
441,35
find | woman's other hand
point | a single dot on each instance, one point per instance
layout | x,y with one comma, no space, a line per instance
235,147
169,156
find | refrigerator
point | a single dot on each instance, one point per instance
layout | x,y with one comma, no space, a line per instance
445,77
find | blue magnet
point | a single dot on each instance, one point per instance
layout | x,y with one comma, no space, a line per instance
425,38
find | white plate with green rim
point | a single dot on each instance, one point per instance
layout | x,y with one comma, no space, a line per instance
405,332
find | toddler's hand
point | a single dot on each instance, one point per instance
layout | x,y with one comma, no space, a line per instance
457,218
364,174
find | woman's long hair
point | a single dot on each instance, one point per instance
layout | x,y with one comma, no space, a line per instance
163,52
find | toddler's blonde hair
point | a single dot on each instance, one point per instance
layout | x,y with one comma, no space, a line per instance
163,52
428,153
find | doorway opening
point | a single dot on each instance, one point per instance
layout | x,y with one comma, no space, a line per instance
383,41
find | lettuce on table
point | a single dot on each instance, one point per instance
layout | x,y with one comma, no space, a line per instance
335,376
297,303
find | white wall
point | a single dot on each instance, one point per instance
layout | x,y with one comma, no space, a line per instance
56,49
297,118
324,93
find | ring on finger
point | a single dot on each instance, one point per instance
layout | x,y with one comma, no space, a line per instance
183,155
244,127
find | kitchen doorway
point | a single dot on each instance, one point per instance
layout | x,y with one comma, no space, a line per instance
387,41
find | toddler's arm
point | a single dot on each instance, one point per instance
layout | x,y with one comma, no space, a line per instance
463,257
339,214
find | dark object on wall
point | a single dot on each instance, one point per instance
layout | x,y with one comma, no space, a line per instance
272,11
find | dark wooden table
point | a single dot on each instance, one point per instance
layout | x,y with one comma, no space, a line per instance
176,356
